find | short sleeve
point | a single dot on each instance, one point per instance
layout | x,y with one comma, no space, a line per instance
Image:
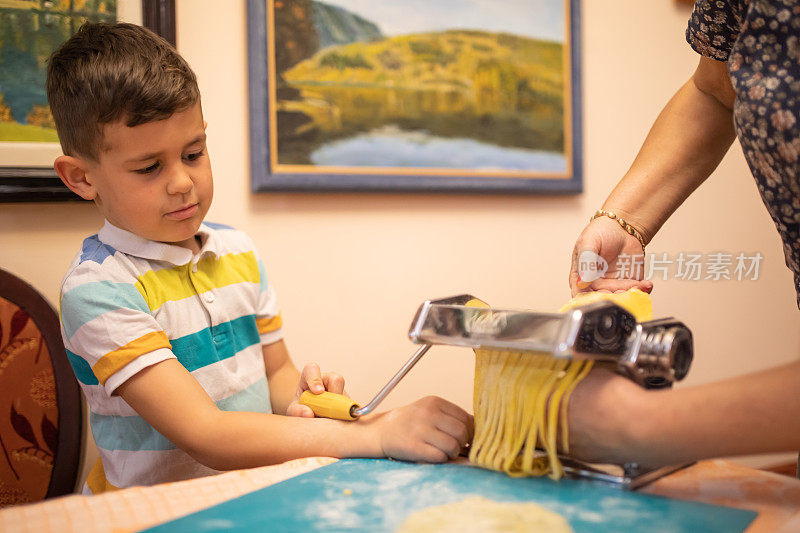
268,317
714,27
109,333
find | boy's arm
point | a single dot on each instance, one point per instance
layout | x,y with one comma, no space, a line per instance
282,376
175,404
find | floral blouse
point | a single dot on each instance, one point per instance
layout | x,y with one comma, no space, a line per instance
760,40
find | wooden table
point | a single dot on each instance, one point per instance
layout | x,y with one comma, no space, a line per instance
775,497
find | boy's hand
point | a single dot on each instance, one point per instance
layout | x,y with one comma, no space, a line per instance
312,379
429,430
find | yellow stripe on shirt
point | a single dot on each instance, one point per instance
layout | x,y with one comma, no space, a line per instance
159,286
111,362
227,270
177,283
269,324
96,481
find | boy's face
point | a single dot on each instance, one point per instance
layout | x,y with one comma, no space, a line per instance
154,179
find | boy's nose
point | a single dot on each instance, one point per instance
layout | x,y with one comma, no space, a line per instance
180,181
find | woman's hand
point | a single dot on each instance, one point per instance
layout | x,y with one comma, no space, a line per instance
604,245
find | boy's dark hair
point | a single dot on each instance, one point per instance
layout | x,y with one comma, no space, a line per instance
109,72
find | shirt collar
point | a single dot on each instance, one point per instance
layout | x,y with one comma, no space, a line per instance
132,244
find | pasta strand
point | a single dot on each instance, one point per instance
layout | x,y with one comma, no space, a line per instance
521,398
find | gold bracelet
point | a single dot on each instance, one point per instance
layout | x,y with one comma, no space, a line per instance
627,227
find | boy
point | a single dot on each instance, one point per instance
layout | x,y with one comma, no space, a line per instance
171,325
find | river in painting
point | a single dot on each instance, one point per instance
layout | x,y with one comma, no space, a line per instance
389,146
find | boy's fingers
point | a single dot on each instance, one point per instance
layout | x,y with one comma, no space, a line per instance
298,409
455,428
453,410
333,382
430,454
444,443
470,428
313,378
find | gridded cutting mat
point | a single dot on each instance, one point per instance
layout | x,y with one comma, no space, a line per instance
378,495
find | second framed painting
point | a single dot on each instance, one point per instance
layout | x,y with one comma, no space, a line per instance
30,30
419,95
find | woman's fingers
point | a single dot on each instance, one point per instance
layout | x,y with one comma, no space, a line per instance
614,285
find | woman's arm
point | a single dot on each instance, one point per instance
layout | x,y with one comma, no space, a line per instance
613,420
686,143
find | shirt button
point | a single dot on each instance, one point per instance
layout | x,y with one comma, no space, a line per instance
209,297
194,267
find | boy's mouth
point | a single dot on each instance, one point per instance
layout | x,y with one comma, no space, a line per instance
183,213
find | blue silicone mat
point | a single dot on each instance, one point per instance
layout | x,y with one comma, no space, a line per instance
378,494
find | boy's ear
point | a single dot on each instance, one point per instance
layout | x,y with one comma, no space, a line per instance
72,171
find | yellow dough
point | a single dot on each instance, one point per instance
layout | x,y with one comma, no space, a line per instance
520,399
480,514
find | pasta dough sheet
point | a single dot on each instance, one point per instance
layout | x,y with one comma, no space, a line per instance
481,514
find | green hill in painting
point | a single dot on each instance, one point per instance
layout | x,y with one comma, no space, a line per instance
450,60
499,88
335,25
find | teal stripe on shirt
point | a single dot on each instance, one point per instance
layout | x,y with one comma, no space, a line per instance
216,343
132,433
82,369
90,300
196,350
262,276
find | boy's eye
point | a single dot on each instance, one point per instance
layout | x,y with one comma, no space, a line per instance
148,170
194,156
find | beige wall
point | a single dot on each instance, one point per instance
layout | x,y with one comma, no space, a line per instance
350,269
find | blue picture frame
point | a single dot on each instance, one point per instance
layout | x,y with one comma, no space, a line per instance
268,175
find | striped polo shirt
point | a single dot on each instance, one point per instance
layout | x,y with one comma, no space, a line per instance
127,303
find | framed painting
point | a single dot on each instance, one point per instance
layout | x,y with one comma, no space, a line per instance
419,95
31,30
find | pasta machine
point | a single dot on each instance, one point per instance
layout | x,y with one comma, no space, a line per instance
653,354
